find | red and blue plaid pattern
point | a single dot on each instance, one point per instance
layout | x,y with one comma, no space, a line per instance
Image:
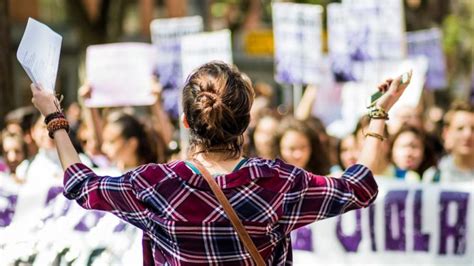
184,224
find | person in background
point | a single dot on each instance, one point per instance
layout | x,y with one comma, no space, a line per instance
263,135
458,135
128,143
14,150
347,154
411,153
21,121
300,146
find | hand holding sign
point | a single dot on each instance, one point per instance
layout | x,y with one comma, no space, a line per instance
44,101
392,90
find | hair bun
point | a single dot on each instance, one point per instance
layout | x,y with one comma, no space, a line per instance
209,100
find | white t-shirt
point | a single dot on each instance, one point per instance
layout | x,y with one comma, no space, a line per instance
448,172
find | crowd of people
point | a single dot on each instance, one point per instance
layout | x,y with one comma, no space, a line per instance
116,140
417,149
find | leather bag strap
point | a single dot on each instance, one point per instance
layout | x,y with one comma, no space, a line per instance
234,219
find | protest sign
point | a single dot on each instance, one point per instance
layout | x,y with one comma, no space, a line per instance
380,35
120,74
166,36
38,54
409,224
428,43
298,47
369,74
201,48
338,44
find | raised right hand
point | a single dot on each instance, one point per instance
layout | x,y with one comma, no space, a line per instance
392,91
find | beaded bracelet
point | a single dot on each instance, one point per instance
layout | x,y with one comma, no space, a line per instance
57,124
52,116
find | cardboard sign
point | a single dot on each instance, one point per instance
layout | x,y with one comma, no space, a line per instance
297,33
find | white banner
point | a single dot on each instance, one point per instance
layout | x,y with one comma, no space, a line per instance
120,74
59,226
297,36
409,224
198,49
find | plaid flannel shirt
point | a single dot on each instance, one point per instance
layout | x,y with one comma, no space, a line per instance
184,224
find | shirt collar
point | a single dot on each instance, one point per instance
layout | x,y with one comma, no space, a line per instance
252,170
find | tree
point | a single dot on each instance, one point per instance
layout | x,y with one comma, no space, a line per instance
6,80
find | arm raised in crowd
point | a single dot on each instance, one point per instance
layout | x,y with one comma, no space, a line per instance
164,125
304,108
48,104
393,90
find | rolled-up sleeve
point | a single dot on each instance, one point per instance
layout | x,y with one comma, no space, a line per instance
105,193
314,197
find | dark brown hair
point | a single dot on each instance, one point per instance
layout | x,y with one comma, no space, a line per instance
429,156
216,101
319,158
151,147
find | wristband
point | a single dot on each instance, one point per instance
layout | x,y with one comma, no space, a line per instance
57,124
52,116
375,135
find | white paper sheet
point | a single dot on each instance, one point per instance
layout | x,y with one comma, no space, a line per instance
39,52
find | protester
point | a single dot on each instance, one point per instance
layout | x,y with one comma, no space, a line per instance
458,136
263,135
128,143
21,121
169,202
347,153
300,146
411,153
14,150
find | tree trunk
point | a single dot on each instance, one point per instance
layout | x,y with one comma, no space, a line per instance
6,85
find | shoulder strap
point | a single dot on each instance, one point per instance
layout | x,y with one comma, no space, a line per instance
234,219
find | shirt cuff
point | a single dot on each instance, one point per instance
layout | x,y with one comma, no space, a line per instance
74,176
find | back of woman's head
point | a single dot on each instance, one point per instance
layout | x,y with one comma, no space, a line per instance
217,99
